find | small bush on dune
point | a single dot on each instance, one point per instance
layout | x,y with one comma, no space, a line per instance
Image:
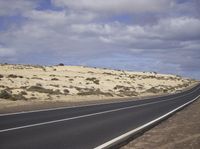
2,86
52,75
87,91
71,79
94,80
40,89
18,97
38,84
5,94
23,93
108,73
54,85
66,91
153,90
1,76
54,79
90,72
37,78
14,76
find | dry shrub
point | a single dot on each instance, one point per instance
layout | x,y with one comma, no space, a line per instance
41,89
93,79
89,91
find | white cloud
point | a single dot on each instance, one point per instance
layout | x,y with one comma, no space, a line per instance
81,30
181,28
14,7
116,6
53,18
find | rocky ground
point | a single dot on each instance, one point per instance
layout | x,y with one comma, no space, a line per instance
181,131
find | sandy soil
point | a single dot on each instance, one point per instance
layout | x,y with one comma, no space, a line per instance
181,131
27,84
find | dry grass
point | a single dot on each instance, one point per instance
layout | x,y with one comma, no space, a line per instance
41,89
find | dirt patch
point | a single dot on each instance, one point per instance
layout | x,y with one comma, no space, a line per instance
181,131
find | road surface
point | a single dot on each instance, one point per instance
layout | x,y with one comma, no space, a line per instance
87,126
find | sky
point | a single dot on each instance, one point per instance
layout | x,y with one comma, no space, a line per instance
137,35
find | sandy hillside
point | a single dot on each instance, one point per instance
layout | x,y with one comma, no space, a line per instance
24,83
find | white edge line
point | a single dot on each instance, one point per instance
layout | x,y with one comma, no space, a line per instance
79,106
67,107
134,131
87,115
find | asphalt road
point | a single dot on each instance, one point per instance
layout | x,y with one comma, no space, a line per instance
84,127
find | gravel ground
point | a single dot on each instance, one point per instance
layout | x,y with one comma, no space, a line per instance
181,131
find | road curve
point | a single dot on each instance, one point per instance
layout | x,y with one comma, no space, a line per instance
87,126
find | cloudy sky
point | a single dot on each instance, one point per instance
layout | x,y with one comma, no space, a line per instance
138,35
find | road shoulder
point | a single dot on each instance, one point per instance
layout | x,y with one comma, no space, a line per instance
180,131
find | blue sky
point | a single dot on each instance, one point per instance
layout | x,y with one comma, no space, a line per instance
145,35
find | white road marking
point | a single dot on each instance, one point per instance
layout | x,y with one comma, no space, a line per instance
93,114
134,131
67,107
60,108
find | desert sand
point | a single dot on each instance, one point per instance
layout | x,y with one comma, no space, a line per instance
20,84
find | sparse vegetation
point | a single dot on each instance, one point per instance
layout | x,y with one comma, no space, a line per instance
52,75
37,78
66,91
38,84
18,97
54,85
54,79
108,73
14,76
90,72
153,90
125,90
1,76
71,79
93,79
41,89
93,92
23,93
5,94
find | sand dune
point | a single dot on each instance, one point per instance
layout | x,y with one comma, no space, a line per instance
22,83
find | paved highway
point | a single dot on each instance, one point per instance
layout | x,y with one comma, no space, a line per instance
87,126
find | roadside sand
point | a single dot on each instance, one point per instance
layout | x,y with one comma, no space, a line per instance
181,131
26,84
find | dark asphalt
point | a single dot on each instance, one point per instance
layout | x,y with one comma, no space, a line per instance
89,131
